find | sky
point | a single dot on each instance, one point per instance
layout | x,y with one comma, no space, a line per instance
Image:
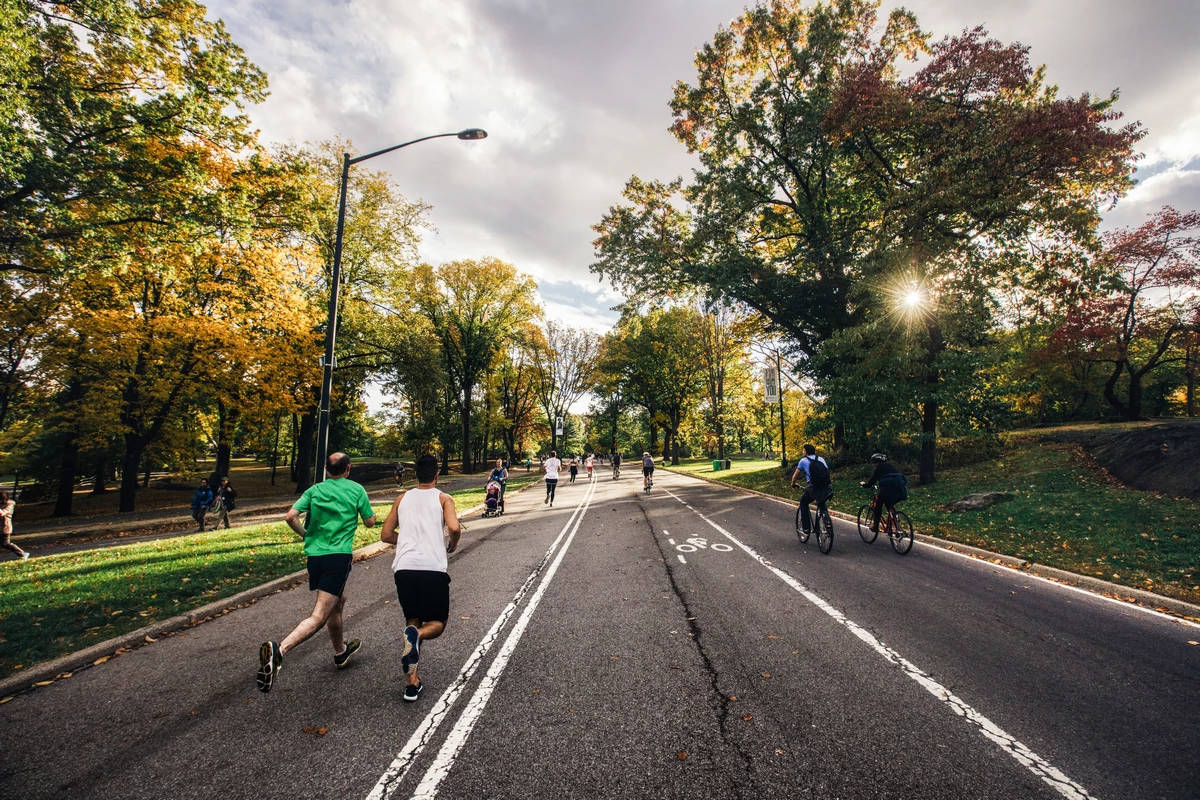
574,95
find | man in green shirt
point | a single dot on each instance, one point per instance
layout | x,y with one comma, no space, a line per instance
333,507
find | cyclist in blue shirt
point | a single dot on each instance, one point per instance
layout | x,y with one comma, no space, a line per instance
818,486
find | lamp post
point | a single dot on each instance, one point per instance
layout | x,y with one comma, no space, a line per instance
329,362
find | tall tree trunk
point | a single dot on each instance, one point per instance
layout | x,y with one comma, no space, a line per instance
98,483
468,464
839,437
928,441
675,439
134,447
66,475
929,409
304,451
1110,390
226,422
653,436
1190,367
1134,409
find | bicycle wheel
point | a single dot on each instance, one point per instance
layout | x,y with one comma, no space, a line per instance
801,534
865,516
902,538
824,527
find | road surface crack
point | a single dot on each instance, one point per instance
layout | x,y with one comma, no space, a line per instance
722,698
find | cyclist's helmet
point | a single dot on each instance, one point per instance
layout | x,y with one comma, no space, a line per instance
645,454
879,458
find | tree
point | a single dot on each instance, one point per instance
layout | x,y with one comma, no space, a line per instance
474,306
516,387
565,370
724,338
821,163
656,359
1146,301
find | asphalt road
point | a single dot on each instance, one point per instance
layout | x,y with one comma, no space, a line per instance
680,644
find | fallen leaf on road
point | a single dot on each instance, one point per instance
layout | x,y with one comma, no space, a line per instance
6,699
733,698
747,717
322,731
466,617
65,675
691,619
774,637
537,691
615,658
681,756
247,700
778,752
160,716
100,660
795,652
43,683
574,710
766,674
1191,642
674,666
150,640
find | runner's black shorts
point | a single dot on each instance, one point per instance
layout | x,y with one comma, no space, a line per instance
329,572
647,471
424,595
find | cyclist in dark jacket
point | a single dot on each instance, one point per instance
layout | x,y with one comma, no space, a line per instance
893,486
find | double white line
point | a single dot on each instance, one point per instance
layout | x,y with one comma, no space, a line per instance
398,769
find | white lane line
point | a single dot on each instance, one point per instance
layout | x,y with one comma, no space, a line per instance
399,767
1023,755
682,560
458,735
983,562
671,541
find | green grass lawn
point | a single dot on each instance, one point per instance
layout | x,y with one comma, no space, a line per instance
1064,513
61,603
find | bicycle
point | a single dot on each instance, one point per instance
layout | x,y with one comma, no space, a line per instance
896,525
616,472
823,524
649,483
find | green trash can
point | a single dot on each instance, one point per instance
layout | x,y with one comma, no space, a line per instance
716,466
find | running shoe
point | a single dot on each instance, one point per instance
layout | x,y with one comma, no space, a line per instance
340,661
270,661
412,691
26,556
412,650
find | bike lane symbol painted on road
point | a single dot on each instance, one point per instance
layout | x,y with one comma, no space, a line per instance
696,543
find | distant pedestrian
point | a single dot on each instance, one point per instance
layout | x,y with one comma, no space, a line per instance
590,463
333,507
551,467
7,507
201,502
574,465
399,473
226,494
415,526
528,463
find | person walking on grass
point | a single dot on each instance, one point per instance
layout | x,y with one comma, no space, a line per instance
201,501
333,507
551,467
415,526
225,495
7,507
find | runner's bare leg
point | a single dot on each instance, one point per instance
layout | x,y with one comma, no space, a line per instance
326,603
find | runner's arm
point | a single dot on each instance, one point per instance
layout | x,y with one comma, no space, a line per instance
452,523
391,523
293,521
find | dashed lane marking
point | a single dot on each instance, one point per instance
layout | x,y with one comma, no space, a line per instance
421,737
1022,754
458,735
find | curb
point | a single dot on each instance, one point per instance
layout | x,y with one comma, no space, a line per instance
1107,589
64,666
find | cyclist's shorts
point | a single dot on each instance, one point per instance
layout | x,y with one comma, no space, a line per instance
647,471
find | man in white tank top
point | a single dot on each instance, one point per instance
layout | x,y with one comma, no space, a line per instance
415,525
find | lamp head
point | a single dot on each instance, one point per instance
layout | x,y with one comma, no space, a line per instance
472,133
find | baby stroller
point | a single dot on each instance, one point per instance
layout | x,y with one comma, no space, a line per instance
493,505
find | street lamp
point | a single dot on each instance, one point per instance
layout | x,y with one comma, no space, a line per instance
328,362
